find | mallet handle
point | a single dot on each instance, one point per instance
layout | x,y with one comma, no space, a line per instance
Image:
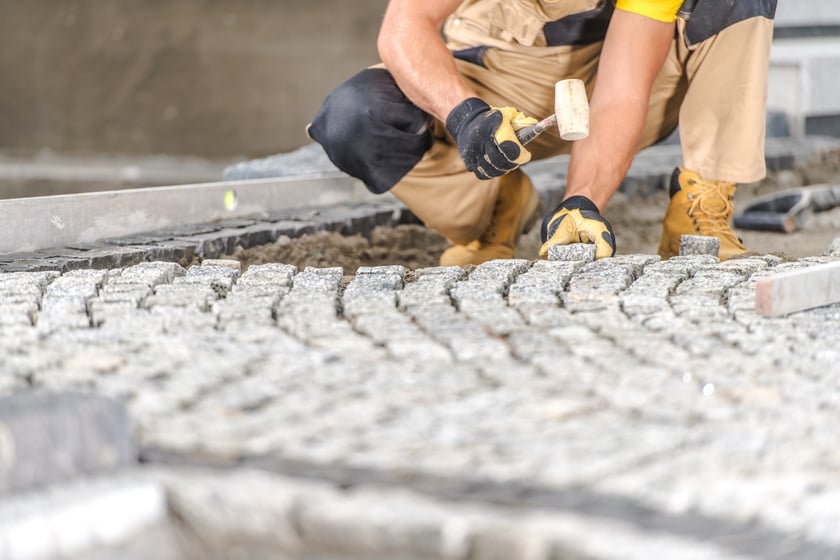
529,133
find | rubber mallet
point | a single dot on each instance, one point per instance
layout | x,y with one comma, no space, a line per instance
571,114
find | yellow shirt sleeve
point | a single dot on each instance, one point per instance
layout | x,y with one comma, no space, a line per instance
660,10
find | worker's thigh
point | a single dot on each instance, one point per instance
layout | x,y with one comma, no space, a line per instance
717,92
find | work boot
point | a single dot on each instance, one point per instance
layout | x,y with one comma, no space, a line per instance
699,207
514,213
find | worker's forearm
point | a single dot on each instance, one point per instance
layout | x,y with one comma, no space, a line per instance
634,50
414,52
599,163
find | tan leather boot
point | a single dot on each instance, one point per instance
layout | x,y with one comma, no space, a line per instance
699,207
515,213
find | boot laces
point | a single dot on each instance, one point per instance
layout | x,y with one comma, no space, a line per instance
711,207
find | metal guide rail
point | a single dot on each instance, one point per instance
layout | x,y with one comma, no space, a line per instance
31,224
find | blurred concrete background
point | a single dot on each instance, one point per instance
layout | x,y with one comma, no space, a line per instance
209,78
221,81
805,66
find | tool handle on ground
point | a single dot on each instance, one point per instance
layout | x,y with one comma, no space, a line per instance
765,221
529,133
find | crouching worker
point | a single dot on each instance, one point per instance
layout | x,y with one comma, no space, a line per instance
434,124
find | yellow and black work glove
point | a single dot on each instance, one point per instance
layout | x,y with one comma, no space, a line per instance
577,220
486,138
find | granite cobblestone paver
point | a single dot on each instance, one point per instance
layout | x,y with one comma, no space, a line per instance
628,392
699,245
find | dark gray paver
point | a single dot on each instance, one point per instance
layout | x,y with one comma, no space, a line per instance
47,438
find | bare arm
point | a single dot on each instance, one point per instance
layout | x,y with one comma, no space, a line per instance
414,52
634,51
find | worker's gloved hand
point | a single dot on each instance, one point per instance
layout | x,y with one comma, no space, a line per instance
486,138
577,220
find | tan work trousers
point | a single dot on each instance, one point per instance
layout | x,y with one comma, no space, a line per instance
716,91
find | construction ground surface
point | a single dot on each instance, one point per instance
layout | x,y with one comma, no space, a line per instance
162,400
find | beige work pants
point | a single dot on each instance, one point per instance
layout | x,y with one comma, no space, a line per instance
716,91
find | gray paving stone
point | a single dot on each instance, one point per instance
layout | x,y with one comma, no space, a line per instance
224,263
109,256
163,250
526,345
272,272
711,282
540,316
77,520
213,270
583,301
36,280
222,507
501,271
389,270
146,274
699,307
102,311
542,283
420,348
134,294
466,293
430,290
497,320
52,437
68,287
744,266
18,314
374,283
325,280
684,264
64,314
584,252
699,245
637,263
267,279
532,294
214,244
655,284
441,274
382,327
178,318
642,304
94,277
421,531
182,295
604,276
245,313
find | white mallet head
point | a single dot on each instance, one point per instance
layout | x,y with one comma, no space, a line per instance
572,109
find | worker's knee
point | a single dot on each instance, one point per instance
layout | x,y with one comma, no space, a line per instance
371,131
344,111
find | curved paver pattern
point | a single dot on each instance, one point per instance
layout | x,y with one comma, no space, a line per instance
640,396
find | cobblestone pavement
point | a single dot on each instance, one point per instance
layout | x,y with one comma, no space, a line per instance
623,408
